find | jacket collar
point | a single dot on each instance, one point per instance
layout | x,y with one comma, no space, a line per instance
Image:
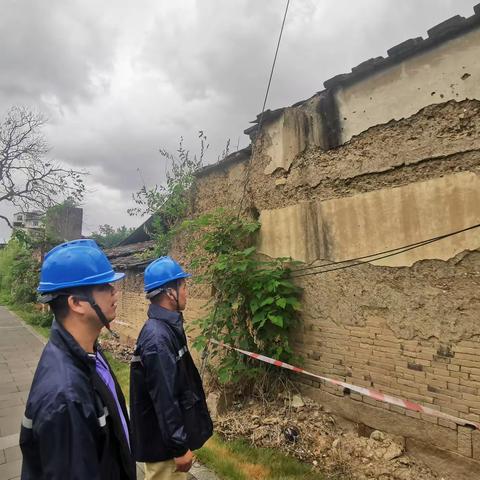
63,340
175,319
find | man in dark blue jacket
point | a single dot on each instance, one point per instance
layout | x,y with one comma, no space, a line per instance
76,425
167,402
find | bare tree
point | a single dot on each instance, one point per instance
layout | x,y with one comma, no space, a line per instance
28,179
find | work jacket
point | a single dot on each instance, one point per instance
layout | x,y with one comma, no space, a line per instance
167,402
71,428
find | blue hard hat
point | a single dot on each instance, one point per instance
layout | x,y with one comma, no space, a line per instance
78,263
161,271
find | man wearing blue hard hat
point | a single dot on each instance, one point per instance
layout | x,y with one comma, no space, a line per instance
168,408
76,423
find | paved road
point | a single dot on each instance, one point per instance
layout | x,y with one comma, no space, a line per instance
20,349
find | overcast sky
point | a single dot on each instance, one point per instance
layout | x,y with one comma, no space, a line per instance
119,79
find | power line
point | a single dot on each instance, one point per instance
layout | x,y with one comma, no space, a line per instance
260,122
376,256
273,66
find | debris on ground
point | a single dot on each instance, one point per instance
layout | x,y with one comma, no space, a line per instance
119,350
304,429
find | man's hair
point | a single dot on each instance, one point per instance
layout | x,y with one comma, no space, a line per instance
59,305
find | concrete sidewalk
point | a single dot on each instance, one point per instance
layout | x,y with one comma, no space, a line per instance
20,349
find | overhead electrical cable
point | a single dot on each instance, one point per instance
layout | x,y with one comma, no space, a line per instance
296,273
260,121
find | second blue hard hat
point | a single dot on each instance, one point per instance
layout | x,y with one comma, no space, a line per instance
161,271
77,263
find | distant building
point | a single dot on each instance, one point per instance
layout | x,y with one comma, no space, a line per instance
62,224
31,222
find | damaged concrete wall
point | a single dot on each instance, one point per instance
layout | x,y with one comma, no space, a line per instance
415,74
449,72
293,130
409,326
378,221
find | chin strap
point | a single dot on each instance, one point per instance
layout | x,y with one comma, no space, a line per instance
46,298
154,293
89,298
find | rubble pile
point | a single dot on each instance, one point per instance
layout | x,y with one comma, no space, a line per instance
119,350
304,429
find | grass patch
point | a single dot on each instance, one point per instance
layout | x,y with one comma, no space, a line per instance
39,321
122,372
238,460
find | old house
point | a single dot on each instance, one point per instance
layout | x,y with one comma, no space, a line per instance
386,156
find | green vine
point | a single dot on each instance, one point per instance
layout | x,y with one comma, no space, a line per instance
255,304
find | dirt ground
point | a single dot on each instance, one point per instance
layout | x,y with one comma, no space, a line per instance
304,429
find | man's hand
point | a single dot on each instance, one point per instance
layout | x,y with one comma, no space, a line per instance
184,464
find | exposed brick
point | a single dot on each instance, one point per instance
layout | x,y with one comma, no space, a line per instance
356,396
469,350
447,423
465,441
453,368
466,363
429,418
396,409
408,413
415,366
476,444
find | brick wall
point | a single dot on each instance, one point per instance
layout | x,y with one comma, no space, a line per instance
425,371
410,331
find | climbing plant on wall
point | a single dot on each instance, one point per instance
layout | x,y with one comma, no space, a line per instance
254,305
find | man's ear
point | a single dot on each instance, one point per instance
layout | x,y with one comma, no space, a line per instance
171,294
76,305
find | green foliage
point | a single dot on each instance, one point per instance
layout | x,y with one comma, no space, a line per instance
54,217
170,202
19,269
40,321
108,236
255,303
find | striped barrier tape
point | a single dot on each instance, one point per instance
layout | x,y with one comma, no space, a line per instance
368,392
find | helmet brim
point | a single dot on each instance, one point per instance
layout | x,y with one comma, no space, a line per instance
110,278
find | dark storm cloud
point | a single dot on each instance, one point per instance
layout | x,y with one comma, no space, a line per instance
120,79
54,51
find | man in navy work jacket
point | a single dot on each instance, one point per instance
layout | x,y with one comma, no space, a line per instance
167,403
76,425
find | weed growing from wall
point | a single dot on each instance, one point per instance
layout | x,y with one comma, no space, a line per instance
169,202
254,305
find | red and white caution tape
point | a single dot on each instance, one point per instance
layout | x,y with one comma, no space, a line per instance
368,392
